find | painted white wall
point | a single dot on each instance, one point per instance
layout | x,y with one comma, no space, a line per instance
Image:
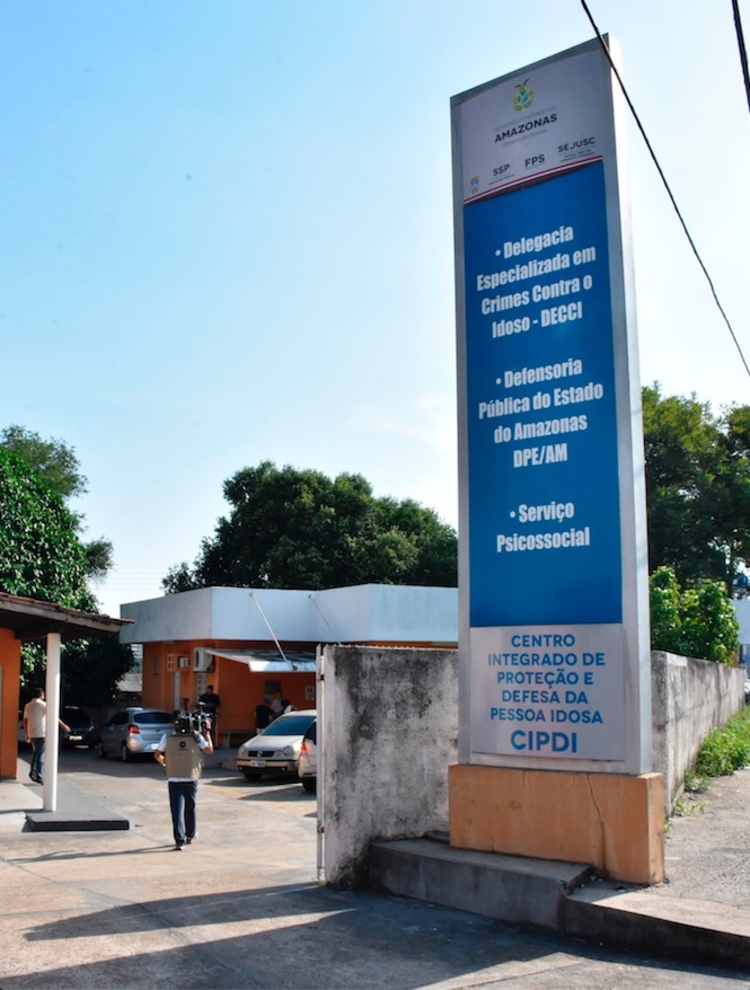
363,613
387,612
173,617
388,732
388,729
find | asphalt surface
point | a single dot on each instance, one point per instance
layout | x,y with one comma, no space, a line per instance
243,908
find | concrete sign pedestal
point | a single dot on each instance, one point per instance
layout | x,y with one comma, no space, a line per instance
614,822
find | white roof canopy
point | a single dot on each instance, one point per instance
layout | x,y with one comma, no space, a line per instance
268,661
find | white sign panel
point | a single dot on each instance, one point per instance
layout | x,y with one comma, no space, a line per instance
533,126
549,691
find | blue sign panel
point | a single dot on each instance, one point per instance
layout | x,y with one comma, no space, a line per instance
544,538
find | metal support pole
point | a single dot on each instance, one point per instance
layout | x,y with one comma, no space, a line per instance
268,625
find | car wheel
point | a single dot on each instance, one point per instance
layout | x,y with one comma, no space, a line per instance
310,784
252,774
101,751
124,753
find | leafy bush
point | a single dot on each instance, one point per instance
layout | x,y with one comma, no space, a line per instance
726,750
666,621
697,622
709,622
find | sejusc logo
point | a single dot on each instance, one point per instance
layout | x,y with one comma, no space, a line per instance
523,96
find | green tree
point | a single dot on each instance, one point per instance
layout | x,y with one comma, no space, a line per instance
41,555
698,621
292,528
697,486
53,460
57,465
91,669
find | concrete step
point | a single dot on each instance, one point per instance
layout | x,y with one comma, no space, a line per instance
645,921
61,821
509,888
564,898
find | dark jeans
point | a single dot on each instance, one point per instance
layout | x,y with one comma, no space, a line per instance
182,794
37,756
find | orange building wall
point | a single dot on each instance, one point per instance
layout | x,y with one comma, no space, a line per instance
10,663
239,690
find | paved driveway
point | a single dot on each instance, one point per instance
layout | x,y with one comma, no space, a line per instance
241,907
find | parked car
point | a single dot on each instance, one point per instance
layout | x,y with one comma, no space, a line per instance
307,765
277,748
747,691
133,732
81,727
82,731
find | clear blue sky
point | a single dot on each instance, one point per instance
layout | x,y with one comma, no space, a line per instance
227,235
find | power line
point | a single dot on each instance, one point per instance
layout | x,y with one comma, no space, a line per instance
664,181
741,46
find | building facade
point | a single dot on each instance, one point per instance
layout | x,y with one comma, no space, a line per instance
247,644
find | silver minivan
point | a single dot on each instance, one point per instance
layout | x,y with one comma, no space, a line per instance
134,732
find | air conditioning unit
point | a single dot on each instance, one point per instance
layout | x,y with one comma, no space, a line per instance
183,662
203,661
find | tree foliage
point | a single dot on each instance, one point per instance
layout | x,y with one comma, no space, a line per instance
91,669
58,467
42,557
40,553
53,460
698,621
697,486
292,528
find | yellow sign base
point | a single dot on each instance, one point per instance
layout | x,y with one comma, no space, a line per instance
612,822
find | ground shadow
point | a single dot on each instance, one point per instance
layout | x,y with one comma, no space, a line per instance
311,936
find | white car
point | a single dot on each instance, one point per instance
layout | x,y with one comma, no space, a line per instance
277,748
307,766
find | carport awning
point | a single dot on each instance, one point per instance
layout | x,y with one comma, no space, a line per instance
268,661
31,619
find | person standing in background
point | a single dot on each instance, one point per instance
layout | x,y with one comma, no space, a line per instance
211,702
35,729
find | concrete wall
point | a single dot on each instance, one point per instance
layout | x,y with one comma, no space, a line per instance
389,731
689,698
389,726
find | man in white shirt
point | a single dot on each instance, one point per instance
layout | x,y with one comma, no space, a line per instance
35,729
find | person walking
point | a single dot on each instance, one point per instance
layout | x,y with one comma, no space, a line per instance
35,730
211,703
181,753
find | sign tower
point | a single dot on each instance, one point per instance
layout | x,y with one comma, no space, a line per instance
555,722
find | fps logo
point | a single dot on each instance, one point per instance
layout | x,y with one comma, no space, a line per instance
523,96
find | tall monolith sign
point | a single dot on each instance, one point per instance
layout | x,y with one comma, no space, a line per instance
554,637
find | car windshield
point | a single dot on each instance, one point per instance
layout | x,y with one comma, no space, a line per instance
289,725
152,718
75,715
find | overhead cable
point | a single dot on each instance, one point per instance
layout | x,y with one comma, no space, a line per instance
655,160
743,50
